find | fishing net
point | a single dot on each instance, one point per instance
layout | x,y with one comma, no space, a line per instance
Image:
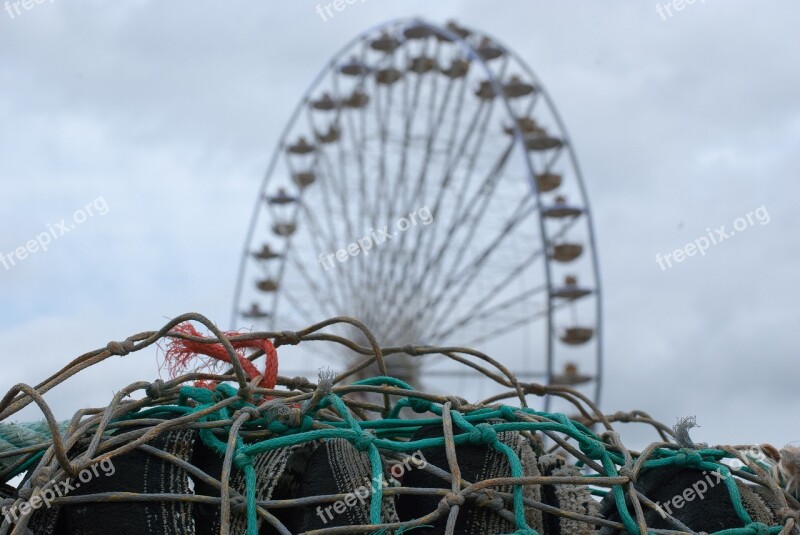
233,447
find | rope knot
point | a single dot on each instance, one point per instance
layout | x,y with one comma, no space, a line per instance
410,350
688,458
298,383
535,388
25,493
251,412
489,499
624,471
294,417
758,528
451,499
592,449
419,405
785,514
482,434
363,441
456,402
297,419
120,348
287,338
155,389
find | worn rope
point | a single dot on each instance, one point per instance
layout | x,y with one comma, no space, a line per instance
269,412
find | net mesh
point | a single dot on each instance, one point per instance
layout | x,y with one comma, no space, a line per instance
232,453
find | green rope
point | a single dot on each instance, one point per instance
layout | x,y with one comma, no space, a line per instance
15,436
476,426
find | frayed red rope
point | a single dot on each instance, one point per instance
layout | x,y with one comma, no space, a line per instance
180,354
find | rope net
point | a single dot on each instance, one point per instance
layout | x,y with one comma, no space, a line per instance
242,451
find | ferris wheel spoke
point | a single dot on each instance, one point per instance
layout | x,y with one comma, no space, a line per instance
451,143
465,276
315,232
387,268
456,114
382,196
373,270
477,205
433,128
395,262
320,158
515,324
410,114
344,284
361,140
462,291
458,222
477,315
338,185
400,178
383,116
399,182
296,306
487,297
358,157
342,162
327,199
327,298
410,287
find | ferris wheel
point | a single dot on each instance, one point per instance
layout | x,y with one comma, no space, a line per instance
426,185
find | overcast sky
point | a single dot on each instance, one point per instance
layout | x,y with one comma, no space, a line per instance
166,113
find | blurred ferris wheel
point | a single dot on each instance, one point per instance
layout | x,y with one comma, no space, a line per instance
443,148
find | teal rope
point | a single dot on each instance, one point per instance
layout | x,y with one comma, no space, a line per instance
21,435
477,426
14,436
